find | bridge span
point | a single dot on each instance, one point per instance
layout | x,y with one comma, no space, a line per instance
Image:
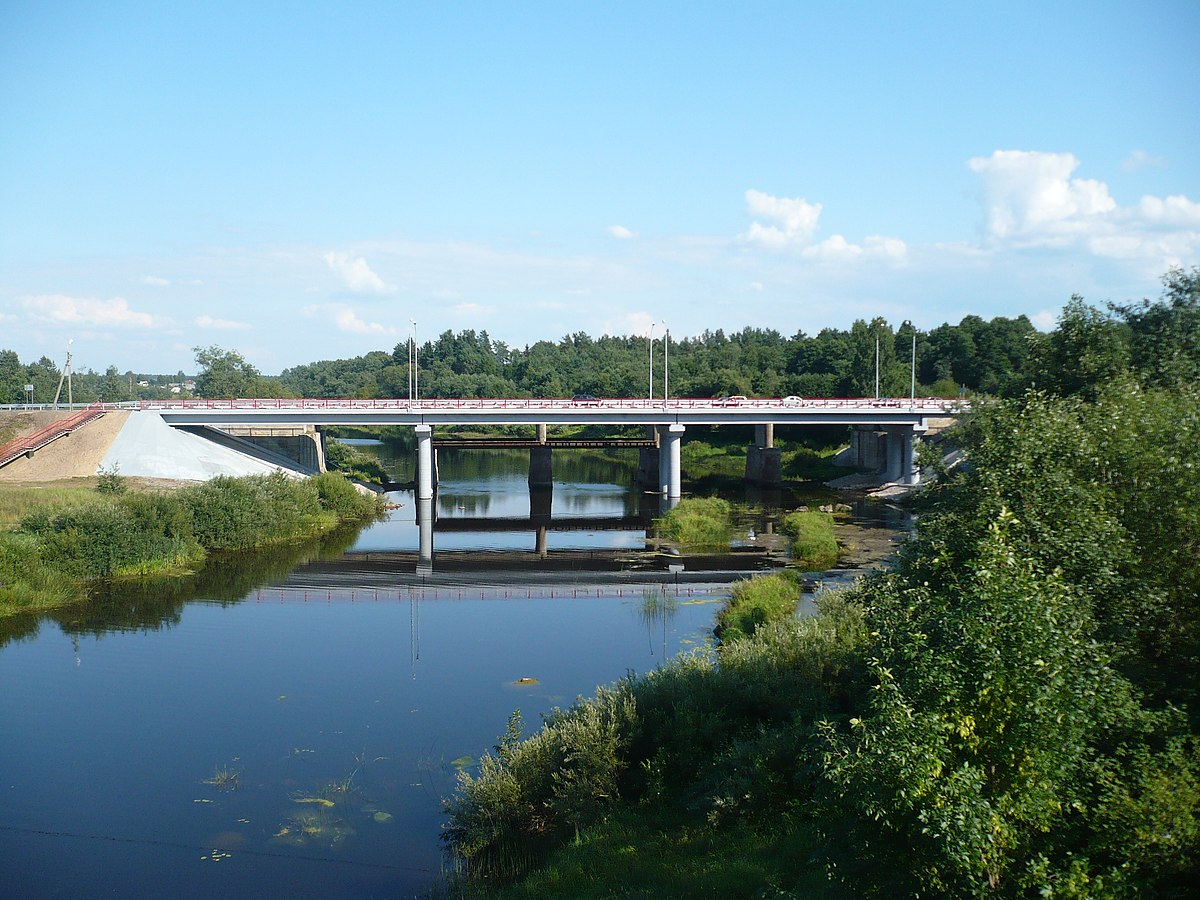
896,424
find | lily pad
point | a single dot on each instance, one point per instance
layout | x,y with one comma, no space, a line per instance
382,817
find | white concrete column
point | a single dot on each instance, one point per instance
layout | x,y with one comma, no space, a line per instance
669,474
424,462
425,532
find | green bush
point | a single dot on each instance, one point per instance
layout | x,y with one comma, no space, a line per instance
755,602
813,545
238,513
339,496
698,523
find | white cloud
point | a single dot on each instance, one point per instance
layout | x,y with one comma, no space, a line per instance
1030,195
794,219
220,324
756,285
155,281
59,309
1139,159
346,319
1031,200
472,309
837,249
621,232
356,274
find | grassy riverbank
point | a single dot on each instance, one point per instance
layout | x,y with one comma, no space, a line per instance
57,542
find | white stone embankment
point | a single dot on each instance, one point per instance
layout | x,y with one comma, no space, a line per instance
135,444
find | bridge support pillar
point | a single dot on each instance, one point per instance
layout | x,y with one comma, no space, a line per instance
901,456
425,531
669,475
541,467
541,434
764,465
425,474
764,435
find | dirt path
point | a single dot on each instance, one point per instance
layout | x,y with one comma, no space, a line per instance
78,455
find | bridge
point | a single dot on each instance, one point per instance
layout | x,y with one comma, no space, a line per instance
895,423
883,432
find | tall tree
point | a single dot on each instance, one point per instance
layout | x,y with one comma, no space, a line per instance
224,373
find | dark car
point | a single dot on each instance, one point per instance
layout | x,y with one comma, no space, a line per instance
585,398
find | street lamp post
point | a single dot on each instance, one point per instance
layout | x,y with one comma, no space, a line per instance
666,363
414,389
651,357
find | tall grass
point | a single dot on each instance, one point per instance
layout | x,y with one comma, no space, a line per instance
698,523
813,545
755,602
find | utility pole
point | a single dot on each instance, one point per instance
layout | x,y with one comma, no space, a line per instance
67,375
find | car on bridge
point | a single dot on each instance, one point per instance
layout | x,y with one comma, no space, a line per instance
733,400
793,401
585,398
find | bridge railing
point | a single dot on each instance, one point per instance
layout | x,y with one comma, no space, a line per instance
926,404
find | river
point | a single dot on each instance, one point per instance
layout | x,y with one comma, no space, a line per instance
289,723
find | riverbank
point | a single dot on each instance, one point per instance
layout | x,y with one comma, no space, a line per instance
58,540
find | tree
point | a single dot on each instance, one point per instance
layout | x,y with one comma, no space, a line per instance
1165,336
224,373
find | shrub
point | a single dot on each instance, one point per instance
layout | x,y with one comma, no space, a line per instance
813,545
698,523
338,495
755,602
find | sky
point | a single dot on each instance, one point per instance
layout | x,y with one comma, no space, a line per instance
308,180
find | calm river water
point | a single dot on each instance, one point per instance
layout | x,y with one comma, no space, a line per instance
290,723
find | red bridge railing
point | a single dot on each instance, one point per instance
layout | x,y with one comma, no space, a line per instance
31,443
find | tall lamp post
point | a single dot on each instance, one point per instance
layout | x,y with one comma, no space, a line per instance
414,390
651,357
666,363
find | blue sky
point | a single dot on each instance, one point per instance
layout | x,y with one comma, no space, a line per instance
302,181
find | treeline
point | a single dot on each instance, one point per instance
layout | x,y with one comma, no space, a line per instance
975,355
1012,710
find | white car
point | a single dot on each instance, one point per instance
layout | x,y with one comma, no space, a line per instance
793,401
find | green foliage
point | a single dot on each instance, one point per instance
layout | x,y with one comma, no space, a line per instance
339,496
237,513
754,602
692,734
698,523
110,481
813,545
354,463
72,539
226,373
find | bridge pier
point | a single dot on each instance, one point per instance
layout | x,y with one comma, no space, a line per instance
900,463
425,531
764,464
425,462
669,475
541,467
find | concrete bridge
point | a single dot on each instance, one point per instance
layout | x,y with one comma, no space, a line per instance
884,431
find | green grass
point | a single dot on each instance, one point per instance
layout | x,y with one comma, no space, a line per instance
755,602
698,524
649,853
813,545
